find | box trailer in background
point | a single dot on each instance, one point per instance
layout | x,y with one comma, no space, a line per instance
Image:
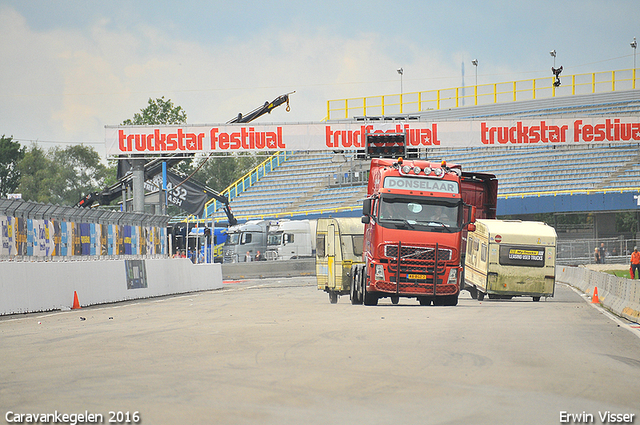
339,244
508,258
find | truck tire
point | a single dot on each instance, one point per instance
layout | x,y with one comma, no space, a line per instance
395,299
480,295
450,300
367,297
425,300
536,299
356,284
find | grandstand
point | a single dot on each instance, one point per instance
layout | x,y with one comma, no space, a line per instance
533,178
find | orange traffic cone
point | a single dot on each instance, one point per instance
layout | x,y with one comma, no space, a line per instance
76,303
595,299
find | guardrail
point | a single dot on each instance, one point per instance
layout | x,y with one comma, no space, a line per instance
617,294
246,181
482,94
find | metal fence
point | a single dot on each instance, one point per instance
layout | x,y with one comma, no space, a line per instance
32,231
582,251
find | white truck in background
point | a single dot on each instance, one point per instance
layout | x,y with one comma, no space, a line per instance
291,239
245,240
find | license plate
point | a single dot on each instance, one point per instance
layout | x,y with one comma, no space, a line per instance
416,276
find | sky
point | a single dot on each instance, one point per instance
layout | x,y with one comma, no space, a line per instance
70,67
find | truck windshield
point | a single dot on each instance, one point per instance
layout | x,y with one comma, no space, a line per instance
422,213
232,239
274,239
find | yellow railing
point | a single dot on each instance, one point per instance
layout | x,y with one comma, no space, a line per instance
290,214
246,181
483,94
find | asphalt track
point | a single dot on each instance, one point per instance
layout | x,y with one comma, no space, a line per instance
275,351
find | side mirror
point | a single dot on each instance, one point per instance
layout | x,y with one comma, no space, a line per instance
366,207
365,219
471,227
472,219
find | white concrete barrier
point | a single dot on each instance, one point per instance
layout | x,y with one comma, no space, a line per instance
618,294
27,287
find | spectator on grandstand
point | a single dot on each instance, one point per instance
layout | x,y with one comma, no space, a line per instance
635,263
597,256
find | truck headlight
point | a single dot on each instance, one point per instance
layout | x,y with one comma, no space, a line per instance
379,272
453,277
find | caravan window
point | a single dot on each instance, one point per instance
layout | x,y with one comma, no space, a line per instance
353,243
483,253
358,242
320,246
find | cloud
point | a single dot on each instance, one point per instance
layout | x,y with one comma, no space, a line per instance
67,84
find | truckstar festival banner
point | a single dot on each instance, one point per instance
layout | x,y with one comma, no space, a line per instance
129,140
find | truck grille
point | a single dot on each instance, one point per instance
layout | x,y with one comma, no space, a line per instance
416,268
416,253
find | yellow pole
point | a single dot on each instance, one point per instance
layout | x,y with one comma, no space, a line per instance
534,89
613,81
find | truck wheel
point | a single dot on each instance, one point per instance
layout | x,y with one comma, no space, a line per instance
424,300
395,300
480,295
536,299
450,300
356,279
367,297
333,297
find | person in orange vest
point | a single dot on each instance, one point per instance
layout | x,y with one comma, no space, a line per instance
635,263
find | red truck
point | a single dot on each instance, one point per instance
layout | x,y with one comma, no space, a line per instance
416,217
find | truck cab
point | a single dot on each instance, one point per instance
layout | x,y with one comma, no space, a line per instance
290,239
245,240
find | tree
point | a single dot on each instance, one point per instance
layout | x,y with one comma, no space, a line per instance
38,176
61,176
158,112
80,170
10,155
221,171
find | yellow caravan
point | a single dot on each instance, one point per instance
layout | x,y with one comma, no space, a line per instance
507,258
339,244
